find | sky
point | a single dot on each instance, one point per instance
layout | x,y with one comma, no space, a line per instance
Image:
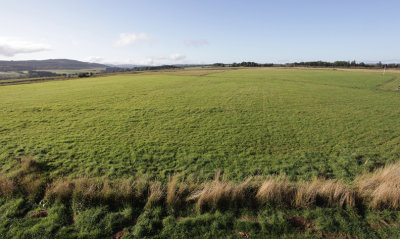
200,32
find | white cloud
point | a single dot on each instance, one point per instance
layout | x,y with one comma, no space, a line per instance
95,59
12,46
126,39
177,57
196,42
150,61
146,62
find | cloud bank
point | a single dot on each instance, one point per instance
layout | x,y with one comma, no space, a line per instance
95,59
126,39
10,47
177,57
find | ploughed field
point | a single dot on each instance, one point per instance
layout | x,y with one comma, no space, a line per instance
302,123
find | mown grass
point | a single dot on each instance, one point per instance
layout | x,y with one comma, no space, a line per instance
302,123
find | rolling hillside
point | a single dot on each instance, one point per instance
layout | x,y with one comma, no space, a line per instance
51,64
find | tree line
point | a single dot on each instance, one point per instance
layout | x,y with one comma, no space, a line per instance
344,64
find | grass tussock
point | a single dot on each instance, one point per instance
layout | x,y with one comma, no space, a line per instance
382,187
177,191
7,186
61,189
275,190
337,193
92,190
320,191
29,165
221,194
156,194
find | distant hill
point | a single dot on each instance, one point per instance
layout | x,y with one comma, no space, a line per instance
125,66
52,64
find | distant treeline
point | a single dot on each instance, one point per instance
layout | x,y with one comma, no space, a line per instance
344,64
35,74
244,64
141,68
341,64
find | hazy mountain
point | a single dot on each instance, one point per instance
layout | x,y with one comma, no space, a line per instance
128,66
52,64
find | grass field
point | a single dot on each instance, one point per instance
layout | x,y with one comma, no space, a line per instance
12,74
297,124
61,71
303,123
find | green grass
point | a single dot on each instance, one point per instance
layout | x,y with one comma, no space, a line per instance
61,71
9,74
303,123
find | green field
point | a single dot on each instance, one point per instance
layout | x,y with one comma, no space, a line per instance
303,123
11,74
61,71
94,157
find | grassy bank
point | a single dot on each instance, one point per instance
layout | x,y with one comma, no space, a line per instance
34,206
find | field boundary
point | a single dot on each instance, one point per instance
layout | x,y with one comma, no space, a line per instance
23,81
377,190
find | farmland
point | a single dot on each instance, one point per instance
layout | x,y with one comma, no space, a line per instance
296,124
303,123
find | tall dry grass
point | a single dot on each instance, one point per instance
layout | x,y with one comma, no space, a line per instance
382,187
276,190
177,191
61,189
7,186
320,191
221,194
156,194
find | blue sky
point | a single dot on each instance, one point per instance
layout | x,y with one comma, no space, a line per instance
166,32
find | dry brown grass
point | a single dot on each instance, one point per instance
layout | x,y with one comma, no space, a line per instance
275,190
91,190
172,189
7,186
28,164
211,195
336,193
330,192
177,191
221,194
306,194
382,187
62,189
156,194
